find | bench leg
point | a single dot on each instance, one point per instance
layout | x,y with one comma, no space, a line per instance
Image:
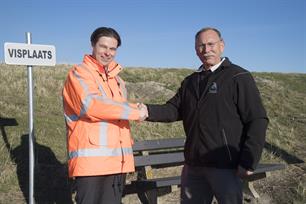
152,196
142,197
249,187
148,197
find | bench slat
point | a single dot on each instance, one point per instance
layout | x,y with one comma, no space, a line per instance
261,168
158,182
159,159
176,180
148,145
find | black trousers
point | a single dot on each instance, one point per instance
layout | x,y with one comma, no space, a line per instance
201,184
99,189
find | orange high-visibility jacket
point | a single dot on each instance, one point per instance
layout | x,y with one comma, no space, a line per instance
96,113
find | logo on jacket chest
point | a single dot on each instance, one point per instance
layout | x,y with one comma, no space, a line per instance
213,88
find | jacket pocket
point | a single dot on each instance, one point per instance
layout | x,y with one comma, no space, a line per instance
226,144
97,134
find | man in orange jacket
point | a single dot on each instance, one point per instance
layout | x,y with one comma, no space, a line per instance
96,113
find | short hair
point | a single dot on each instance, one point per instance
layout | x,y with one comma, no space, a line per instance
104,31
206,29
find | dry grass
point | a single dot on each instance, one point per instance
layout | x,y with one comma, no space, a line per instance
283,95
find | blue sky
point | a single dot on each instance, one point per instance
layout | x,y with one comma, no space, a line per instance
260,35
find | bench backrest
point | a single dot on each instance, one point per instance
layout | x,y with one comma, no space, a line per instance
159,153
149,145
169,152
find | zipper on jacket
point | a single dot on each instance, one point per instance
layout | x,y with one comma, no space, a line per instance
226,144
122,157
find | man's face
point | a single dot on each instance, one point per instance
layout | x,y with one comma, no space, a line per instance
209,48
105,50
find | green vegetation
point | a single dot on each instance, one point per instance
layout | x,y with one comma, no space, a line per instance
284,97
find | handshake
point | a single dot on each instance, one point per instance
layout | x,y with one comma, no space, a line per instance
143,111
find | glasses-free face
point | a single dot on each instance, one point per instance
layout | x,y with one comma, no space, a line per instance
209,48
104,51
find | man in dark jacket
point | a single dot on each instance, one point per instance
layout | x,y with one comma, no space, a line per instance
224,121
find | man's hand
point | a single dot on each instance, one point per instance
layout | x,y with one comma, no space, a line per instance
143,111
242,172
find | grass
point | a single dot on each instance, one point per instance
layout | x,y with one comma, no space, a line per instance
283,95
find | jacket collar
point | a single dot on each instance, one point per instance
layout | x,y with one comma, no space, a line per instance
113,67
213,68
226,63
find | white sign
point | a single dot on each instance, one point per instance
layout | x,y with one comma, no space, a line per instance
29,54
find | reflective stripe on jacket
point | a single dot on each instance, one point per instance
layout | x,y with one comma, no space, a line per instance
96,113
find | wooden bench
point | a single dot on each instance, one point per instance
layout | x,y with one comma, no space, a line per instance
162,153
